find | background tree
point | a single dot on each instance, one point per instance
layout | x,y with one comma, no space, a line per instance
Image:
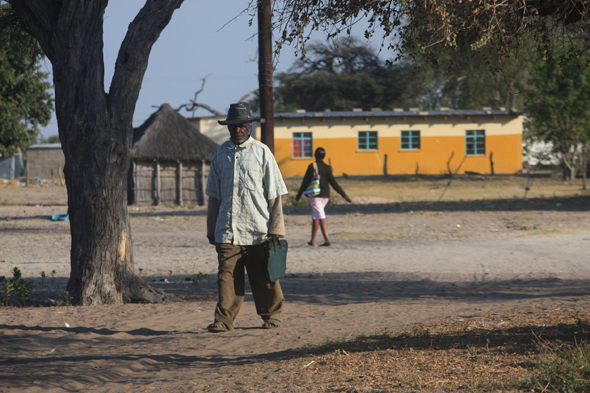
95,129
471,84
557,105
24,101
347,74
341,77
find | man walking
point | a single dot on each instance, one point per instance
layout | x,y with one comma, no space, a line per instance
245,213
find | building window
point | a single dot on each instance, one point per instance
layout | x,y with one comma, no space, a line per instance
367,140
475,142
410,140
302,144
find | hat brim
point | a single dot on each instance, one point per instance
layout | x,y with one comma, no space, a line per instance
231,122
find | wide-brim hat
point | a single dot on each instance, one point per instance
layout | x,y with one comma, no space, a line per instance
238,114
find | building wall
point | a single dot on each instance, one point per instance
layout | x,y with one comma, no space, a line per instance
143,186
44,161
11,167
440,138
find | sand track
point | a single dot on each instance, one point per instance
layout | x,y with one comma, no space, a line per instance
390,267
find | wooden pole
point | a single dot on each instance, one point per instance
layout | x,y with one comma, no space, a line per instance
385,166
134,185
203,182
158,185
27,173
267,113
59,174
180,202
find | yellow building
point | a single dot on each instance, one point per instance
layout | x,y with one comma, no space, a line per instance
394,142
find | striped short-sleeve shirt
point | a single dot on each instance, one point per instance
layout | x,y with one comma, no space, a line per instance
244,178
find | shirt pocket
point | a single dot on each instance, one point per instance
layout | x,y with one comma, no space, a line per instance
251,182
250,175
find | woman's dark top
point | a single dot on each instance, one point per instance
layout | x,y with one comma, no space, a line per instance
326,178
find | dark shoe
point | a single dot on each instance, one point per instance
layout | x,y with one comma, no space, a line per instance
310,244
217,327
271,324
325,245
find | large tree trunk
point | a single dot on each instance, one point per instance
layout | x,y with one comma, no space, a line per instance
95,130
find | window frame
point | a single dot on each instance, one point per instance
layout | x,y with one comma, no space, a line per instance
411,139
367,143
477,140
302,137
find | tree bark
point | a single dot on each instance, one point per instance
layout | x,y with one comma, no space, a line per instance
95,130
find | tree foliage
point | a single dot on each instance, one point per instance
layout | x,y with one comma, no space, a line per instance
557,104
347,74
429,29
340,77
471,84
25,103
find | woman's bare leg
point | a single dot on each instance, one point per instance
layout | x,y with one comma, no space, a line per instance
324,228
314,230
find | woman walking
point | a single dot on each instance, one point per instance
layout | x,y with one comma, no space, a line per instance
319,202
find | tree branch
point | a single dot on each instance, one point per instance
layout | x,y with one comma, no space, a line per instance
40,18
193,105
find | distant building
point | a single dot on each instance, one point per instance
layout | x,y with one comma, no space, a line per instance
45,161
170,161
394,142
11,167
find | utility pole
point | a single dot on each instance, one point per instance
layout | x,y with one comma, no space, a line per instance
267,111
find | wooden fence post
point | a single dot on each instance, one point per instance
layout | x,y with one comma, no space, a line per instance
158,184
134,179
203,185
59,174
180,183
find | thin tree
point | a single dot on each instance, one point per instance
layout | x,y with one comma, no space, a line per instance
95,130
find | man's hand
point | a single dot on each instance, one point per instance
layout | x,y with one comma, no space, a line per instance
297,199
211,239
348,199
273,240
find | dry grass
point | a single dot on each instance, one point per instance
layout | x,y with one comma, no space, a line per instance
408,189
498,353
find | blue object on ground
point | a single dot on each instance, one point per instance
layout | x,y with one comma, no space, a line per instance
59,217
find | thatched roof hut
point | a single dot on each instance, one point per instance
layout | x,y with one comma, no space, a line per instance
169,136
170,160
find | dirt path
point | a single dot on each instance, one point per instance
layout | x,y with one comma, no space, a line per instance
391,266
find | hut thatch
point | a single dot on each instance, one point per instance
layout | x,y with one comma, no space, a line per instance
170,161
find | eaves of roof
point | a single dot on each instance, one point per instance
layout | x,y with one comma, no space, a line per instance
45,146
364,114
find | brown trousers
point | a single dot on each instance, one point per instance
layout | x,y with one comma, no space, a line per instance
268,296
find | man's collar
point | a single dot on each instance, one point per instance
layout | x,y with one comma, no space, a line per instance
244,145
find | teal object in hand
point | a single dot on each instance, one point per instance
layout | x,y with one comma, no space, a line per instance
276,261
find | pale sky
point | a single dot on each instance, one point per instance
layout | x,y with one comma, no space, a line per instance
193,45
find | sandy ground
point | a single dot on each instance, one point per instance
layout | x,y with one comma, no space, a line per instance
391,266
